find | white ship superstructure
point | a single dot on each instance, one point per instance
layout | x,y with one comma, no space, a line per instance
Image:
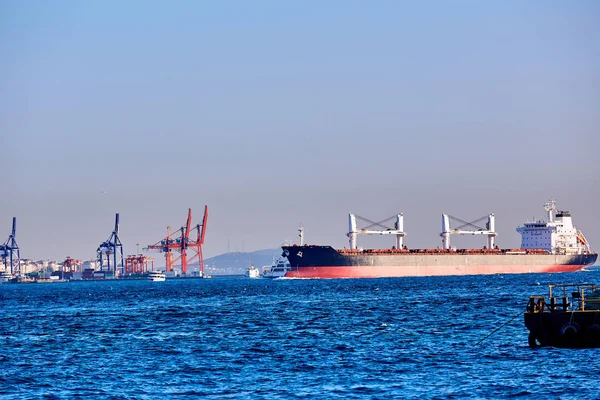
5,277
156,276
277,270
252,272
557,235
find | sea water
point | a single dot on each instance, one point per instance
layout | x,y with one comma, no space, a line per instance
233,337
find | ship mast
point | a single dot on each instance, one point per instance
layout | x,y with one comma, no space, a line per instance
550,206
301,235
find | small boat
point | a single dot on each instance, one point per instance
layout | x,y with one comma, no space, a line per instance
568,318
22,279
5,277
156,276
277,270
252,272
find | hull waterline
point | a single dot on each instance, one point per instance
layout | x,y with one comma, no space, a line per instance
442,270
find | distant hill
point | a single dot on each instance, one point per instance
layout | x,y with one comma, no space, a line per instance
237,263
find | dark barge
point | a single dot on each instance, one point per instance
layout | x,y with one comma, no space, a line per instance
568,318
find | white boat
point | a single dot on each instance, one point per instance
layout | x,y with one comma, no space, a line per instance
5,277
277,270
252,272
156,276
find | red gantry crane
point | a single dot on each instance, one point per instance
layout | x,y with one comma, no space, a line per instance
179,241
69,266
138,264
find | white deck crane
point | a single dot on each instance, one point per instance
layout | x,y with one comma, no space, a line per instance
398,229
489,230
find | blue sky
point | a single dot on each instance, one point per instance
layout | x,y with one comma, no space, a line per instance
281,113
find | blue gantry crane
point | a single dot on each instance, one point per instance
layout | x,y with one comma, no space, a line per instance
111,247
9,251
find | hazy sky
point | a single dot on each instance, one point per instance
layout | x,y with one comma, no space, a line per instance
276,113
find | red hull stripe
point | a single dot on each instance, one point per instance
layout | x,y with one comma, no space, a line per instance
438,270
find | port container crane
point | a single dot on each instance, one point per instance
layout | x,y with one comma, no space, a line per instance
69,266
111,247
9,251
179,241
138,264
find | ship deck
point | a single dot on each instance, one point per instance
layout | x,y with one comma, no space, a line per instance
350,252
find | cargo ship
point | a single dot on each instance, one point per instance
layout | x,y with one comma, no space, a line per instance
553,245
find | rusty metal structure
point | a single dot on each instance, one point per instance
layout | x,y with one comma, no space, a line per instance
71,265
138,264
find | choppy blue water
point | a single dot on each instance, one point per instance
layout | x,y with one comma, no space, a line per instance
235,337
